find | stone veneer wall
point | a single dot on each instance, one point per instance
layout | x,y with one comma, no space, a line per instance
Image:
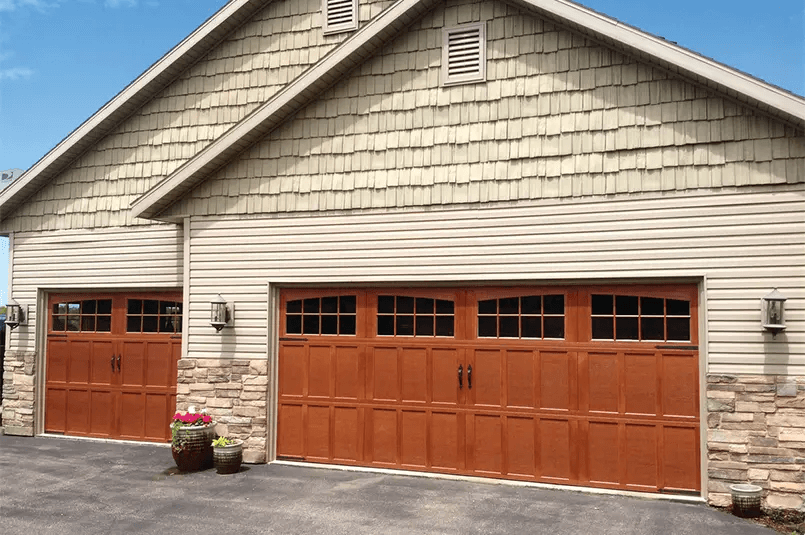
18,393
756,434
234,392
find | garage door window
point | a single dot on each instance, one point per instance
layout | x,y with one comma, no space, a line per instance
334,315
399,315
636,318
152,316
91,315
528,316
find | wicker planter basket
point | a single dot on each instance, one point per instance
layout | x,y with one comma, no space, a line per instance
227,459
192,447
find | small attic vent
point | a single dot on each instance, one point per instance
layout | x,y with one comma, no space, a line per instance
340,15
464,54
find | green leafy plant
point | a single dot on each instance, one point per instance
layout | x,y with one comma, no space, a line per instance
220,442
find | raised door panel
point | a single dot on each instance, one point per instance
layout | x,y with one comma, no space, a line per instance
133,362
680,385
521,446
102,413
132,415
520,379
603,382
603,452
103,365
318,427
414,372
487,444
159,359
348,376
680,465
446,441
414,439
385,377
383,436
640,383
320,372
293,370
487,373
78,411
79,362
56,410
555,449
556,377
444,376
58,360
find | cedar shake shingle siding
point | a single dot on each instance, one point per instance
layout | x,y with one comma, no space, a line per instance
559,116
238,75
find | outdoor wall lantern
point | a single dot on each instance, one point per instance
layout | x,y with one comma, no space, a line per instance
773,312
16,315
221,313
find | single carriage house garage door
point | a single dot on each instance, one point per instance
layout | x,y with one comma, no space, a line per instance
112,365
592,387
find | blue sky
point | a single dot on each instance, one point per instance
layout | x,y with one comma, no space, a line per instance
61,60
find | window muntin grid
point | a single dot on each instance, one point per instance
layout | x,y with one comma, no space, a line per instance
153,316
332,315
529,316
89,315
399,315
639,318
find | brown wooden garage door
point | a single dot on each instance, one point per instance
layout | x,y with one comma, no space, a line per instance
111,365
593,387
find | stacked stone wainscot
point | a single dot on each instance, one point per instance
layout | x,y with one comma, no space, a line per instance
18,393
234,392
756,434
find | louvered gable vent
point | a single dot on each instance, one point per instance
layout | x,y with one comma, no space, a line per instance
340,15
464,54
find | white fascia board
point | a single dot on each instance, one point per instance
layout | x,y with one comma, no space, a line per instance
157,198
117,103
656,47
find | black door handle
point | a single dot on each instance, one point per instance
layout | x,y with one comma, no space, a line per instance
118,363
460,376
112,362
469,376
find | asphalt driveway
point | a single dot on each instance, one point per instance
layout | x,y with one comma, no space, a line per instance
55,485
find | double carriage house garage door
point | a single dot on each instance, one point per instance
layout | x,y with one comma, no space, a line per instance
112,365
581,386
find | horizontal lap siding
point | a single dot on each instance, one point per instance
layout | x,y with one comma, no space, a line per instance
745,244
134,257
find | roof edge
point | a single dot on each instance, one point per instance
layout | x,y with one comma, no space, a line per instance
632,37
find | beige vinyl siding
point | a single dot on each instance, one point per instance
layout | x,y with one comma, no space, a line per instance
105,259
744,242
559,116
241,73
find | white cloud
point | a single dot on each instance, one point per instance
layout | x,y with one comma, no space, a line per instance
15,73
121,3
